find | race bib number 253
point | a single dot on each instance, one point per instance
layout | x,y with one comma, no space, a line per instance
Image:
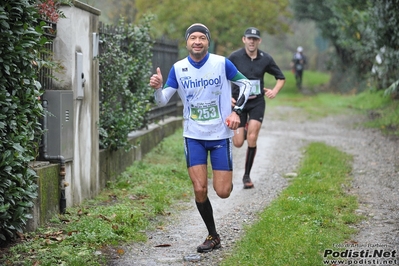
204,112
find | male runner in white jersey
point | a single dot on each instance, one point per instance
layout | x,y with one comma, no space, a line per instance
203,82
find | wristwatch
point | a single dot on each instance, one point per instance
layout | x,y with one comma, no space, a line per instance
237,110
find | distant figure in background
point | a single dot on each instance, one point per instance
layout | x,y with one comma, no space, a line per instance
298,65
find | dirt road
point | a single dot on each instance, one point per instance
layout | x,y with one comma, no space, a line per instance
284,133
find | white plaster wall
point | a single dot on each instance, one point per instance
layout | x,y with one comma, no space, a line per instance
75,34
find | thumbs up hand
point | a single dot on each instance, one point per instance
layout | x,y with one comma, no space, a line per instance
156,80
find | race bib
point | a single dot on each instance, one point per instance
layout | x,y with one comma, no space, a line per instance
255,87
299,67
204,111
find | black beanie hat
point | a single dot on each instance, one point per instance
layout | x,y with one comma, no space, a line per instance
198,27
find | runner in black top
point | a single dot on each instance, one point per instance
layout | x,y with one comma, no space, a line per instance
253,63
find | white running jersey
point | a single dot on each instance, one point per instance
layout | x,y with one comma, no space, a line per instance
206,96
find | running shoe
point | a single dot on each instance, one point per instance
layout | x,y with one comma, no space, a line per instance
210,243
247,182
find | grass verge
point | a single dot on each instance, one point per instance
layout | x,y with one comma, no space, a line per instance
311,215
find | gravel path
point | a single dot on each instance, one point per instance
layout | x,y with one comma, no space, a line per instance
284,133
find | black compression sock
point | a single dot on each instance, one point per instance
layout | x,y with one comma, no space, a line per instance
206,211
251,152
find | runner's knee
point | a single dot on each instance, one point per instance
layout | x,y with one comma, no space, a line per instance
238,143
225,193
252,138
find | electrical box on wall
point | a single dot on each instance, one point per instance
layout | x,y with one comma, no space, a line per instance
60,123
96,42
79,76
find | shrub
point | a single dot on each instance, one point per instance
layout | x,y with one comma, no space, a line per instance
20,44
125,68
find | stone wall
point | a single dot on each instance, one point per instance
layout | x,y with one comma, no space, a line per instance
113,163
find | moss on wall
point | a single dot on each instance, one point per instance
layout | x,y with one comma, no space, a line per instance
49,191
